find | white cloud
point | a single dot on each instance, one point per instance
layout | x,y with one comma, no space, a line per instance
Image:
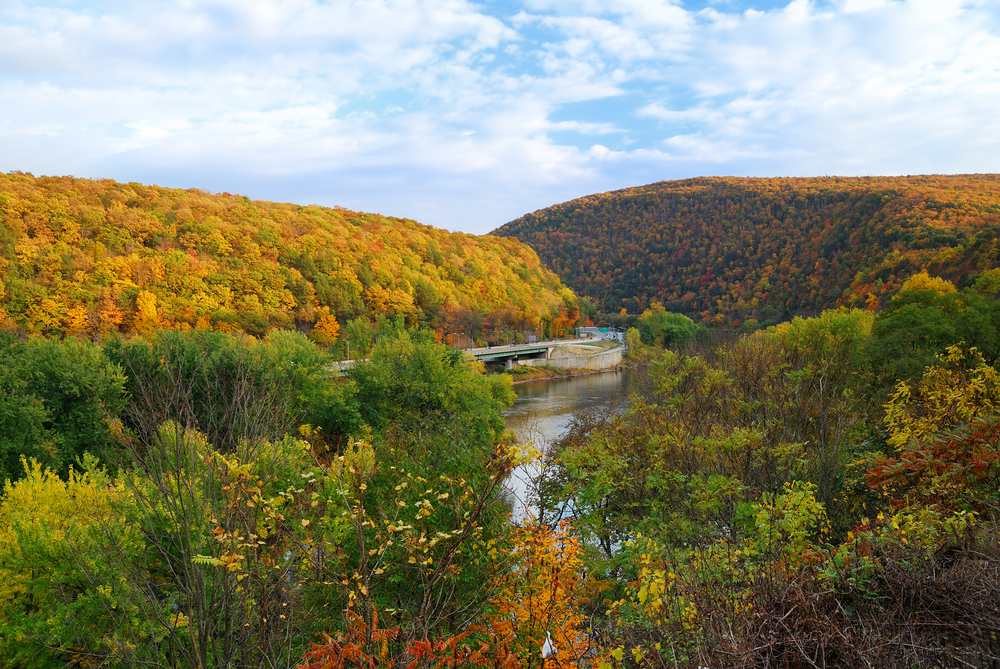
437,110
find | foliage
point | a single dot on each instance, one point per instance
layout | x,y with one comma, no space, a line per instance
682,594
544,590
679,464
409,510
92,257
348,649
917,610
223,541
632,340
327,328
59,598
54,398
772,587
748,506
725,249
227,552
363,645
945,435
920,322
662,328
229,387
960,388
412,381
406,531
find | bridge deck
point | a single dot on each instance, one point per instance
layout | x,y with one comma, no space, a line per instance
497,352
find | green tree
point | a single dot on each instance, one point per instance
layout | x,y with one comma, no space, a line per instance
773,407
414,510
55,397
922,320
667,329
230,388
413,382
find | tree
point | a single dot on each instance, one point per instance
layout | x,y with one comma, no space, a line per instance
228,555
229,388
945,438
61,600
773,407
55,397
414,382
415,538
663,328
146,317
925,317
543,592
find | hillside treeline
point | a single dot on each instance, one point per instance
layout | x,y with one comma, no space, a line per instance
724,250
85,257
825,492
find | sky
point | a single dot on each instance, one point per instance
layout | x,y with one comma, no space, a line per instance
466,115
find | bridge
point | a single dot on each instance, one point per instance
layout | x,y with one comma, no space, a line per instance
514,352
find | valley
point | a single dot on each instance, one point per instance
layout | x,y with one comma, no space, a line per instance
246,434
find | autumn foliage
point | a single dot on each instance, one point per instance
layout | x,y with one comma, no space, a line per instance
726,249
544,591
821,492
946,435
93,257
362,645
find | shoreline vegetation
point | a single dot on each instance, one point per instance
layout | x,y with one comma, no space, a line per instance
525,374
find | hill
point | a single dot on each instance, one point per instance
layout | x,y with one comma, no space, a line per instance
84,256
729,249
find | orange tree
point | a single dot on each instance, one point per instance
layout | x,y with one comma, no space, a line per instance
544,591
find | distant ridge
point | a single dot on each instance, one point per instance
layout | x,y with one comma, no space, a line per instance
79,256
727,249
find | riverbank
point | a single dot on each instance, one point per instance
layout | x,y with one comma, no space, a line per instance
525,374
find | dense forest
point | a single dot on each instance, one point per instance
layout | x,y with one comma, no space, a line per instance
724,250
94,257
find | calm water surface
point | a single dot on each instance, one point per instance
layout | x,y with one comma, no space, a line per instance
542,413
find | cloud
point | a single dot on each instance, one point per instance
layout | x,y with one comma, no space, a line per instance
465,115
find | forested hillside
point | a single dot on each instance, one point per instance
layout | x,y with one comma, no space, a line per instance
86,257
729,249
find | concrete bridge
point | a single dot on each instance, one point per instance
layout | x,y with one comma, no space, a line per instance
508,354
540,351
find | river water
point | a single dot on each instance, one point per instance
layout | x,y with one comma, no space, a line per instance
542,414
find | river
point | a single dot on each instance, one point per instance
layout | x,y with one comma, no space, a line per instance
542,413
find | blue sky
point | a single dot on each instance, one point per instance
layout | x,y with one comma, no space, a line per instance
465,115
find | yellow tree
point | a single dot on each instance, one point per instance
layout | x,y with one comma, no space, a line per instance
146,317
327,328
960,388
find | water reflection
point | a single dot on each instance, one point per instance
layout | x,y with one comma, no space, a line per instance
542,414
